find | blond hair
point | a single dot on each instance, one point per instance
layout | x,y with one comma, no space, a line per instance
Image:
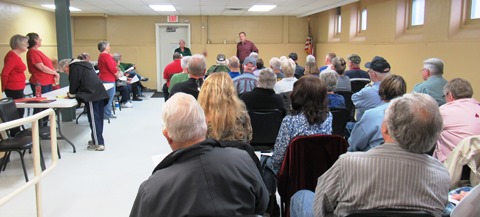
227,116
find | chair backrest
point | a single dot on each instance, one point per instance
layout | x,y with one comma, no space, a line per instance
388,213
306,159
8,110
265,126
340,119
347,95
358,84
286,99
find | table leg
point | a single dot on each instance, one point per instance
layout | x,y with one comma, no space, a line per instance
59,126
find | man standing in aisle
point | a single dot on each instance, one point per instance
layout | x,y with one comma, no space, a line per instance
86,87
245,47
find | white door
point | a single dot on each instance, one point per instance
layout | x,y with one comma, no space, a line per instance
168,36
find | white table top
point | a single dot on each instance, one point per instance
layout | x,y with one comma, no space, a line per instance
59,96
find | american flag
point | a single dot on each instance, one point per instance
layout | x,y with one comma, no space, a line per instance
309,41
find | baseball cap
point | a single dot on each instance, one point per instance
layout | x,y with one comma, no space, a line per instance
220,58
250,60
354,58
378,64
293,56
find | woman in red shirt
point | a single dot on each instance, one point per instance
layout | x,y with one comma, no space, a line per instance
13,72
39,65
108,73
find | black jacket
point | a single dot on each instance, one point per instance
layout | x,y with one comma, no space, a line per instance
85,84
205,179
191,86
261,98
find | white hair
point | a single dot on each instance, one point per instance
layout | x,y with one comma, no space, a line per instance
183,118
184,61
267,78
434,65
254,55
64,63
311,58
288,67
275,63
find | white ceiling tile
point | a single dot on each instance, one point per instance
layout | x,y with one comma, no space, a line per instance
194,7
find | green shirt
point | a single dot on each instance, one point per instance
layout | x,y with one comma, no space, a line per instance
186,51
177,78
217,68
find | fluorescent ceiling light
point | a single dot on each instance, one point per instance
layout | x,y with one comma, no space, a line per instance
163,7
262,8
53,7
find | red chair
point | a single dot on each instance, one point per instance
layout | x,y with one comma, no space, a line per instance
306,159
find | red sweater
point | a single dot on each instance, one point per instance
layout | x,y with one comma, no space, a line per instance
107,67
35,56
171,69
13,72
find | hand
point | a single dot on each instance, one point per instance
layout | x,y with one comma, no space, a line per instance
459,196
56,76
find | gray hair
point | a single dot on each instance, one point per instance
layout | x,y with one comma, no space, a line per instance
267,78
234,62
434,65
311,58
288,68
254,55
275,63
330,79
183,118
102,45
117,57
184,61
63,64
17,41
197,65
177,56
414,122
459,88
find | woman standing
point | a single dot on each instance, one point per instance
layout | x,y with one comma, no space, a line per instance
108,74
39,65
13,72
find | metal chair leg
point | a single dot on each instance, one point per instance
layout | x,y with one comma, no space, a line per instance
5,160
23,165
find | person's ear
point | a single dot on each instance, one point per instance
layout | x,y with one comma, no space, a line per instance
169,139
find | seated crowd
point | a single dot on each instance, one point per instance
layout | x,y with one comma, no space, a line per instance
398,141
403,130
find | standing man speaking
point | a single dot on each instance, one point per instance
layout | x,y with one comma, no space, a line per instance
245,47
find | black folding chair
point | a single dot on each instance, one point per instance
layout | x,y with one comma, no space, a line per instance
265,126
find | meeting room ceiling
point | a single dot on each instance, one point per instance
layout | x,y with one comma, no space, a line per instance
298,8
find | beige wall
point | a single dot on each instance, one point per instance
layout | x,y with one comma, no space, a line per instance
134,36
406,50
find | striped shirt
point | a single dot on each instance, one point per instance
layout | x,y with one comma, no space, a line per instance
387,176
245,82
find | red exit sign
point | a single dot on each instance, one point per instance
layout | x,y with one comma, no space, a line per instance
172,19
